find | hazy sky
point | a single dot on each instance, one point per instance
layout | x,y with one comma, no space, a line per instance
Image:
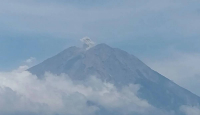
165,34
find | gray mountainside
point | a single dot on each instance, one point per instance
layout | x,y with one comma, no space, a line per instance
120,68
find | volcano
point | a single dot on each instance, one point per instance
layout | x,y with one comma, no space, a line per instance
120,68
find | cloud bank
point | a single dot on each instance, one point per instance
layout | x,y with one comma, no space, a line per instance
23,93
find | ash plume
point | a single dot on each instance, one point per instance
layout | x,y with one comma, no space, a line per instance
87,43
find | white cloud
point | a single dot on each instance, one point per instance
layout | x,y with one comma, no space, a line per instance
30,60
28,63
22,92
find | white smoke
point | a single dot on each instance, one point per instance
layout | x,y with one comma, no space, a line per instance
88,43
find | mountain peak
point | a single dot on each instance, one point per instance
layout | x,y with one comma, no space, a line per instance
102,45
101,48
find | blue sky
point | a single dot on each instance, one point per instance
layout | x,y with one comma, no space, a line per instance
158,32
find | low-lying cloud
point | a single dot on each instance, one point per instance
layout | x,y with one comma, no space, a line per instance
23,93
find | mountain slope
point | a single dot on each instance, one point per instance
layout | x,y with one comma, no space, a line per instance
120,68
